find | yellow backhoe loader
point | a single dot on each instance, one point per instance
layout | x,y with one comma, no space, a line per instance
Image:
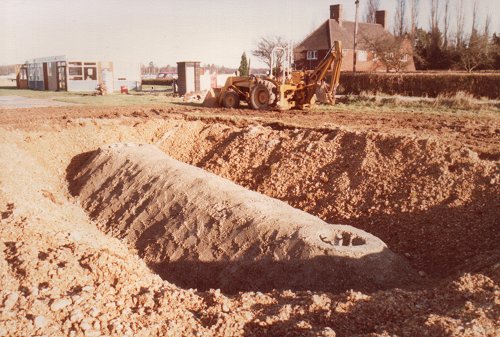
288,89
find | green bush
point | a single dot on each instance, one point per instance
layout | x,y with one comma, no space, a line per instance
422,84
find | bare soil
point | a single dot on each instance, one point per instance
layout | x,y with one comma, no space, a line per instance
425,184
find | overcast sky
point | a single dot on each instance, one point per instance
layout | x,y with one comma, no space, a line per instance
168,31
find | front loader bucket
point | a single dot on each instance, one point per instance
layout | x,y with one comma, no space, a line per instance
212,98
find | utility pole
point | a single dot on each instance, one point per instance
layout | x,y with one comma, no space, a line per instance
355,56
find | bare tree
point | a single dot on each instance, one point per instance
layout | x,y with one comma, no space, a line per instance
265,47
459,33
399,18
372,6
414,17
487,24
446,28
475,54
394,53
474,18
434,15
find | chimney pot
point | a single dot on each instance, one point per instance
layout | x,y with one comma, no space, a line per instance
381,18
337,13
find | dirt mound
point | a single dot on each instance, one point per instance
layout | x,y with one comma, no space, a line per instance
199,230
436,203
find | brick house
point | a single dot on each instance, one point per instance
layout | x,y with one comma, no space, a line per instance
315,46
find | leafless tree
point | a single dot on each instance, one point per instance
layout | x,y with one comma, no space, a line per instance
399,18
487,24
474,18
414,17
475,54
394,53
265,46
459,33
434,15
446,22
371,7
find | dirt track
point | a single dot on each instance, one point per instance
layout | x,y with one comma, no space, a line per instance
427,185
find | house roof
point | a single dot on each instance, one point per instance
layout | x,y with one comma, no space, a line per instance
330,30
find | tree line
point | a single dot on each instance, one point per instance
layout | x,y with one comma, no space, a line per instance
442,46
439,47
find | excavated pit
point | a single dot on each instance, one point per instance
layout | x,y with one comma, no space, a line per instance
428,186
198,230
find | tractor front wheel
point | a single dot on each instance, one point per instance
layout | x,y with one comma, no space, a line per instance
231,100
260,97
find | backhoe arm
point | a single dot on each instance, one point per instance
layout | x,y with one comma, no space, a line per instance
312,80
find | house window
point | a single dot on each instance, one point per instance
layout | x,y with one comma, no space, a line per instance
312,54
404,58
362,55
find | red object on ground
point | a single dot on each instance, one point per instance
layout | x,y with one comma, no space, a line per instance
124,89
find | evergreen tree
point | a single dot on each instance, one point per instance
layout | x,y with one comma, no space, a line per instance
243,69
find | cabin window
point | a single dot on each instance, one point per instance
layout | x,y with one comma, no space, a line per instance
90,73
79,71
312,54
35,72
75,71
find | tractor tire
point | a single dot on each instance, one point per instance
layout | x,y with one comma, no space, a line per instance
260,97
273,90
231,100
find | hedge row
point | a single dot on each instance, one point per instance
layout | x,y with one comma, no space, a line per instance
421,84
158,81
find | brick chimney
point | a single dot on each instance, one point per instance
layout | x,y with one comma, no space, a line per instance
337,13
381,18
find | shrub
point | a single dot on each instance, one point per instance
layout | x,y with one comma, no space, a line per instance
422,84
461,100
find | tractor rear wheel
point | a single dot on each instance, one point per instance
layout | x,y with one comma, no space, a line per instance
260,97
231,100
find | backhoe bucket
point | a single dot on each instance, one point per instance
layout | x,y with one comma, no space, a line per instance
212,98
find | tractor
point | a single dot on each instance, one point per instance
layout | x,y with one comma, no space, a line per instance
282,87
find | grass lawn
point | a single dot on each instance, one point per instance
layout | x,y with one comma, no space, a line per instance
361,103
116,99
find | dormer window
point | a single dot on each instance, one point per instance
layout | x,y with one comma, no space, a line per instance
312,54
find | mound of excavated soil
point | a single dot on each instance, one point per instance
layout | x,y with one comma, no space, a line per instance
433,202
202,231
